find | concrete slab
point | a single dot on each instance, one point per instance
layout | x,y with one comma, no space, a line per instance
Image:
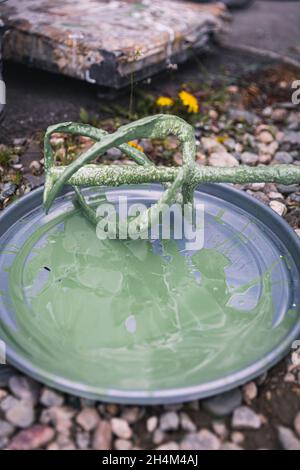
105,42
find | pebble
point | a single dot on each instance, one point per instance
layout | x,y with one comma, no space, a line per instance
121,428
287,439
88,419
283,158
264,158
292,138
279,115
256,186
169,446
249,392
6,429
131,414
211,145
237,437
35,167
152,423
60,416
223,404
21,414
50,398
249,158
275,195
230,446
220,429
297,424
102,439
245,418
8,402
278,207
202,440
288,189
265,137
298,231
24,388
83,440
169,421
222,159
158,436
122,444
186,423
32,438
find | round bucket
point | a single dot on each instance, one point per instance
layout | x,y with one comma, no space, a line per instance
144,321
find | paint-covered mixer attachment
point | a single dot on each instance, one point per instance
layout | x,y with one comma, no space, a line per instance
179,182
146,320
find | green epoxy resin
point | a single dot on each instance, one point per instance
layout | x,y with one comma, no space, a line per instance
120,315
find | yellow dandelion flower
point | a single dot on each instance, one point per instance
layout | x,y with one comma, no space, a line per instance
164,101
190,101
134,144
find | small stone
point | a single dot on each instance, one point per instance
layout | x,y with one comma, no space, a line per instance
220,429
102,439
6,429
264,158
177,158
3,394
245,418
53,446
51,398
223,404
230,446
158,436
211,145
8,402
19,141
288,439
237,437
249,392
265,137
202,440
283,158
249,158
279,115
121,428
65,442
151,423
186,423
83,440
278,207
297,230
292,138
32,438
24,388
222,160
275,195
131,414
88,419
60,416
297,424
35,167
21,415
213,114
168,446
122,444
169,421
257,186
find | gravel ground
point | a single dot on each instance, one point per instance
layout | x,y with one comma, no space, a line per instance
251,121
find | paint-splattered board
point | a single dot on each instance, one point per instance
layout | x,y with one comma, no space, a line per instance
106,41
